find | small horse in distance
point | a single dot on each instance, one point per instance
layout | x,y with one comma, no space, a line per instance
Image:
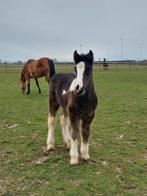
36,69
105,65
76,95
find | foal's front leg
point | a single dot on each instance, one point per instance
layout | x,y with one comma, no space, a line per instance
85,133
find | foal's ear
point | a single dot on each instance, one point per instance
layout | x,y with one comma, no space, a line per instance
90,56
76,57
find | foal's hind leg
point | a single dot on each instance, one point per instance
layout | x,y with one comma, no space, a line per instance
74,126
51,121
37,83
50,137
64,121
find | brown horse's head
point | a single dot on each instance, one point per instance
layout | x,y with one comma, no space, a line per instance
23,82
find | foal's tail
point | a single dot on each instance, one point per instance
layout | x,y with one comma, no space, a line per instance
52,67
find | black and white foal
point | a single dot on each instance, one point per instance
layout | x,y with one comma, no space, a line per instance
75,94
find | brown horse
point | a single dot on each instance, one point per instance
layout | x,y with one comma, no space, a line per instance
36,69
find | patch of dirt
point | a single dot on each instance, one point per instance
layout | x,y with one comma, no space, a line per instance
76,182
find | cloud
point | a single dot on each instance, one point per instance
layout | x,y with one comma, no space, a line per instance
35,28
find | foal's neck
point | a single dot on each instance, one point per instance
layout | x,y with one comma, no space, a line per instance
90,82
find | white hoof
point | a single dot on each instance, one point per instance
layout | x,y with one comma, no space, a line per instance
50,148
73,162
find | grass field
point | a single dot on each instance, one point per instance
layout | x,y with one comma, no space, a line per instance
118,140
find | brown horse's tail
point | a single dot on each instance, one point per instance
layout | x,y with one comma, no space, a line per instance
52,67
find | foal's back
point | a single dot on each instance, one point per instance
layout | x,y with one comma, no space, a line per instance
59,84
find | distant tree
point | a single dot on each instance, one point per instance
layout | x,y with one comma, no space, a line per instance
19,62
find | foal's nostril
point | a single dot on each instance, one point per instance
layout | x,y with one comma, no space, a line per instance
77,87
80,90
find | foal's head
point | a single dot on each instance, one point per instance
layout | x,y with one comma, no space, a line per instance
83,69
23,82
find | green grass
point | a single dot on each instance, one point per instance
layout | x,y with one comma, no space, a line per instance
118,140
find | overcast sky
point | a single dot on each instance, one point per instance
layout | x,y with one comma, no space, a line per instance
55,28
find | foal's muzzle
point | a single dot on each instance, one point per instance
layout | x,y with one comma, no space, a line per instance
79,90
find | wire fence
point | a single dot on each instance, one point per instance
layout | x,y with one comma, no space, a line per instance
112,66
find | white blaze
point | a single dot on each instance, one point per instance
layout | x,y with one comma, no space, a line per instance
78,80
80,70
